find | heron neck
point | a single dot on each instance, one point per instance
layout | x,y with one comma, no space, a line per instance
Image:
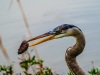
80,44
71,54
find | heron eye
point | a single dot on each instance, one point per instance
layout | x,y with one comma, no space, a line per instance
58,32
63,31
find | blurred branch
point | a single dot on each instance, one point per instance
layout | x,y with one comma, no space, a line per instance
4,51
27,26
10,5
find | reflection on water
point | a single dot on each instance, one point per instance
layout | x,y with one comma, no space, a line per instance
44,17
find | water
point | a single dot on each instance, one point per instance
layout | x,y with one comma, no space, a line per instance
45,15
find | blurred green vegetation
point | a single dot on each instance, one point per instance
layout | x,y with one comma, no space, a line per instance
92,71
39,69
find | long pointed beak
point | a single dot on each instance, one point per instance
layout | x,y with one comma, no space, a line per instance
24,45
41,36
47,38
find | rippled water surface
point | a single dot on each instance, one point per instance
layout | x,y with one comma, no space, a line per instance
42,17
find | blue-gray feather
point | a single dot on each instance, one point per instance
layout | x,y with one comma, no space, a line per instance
64,27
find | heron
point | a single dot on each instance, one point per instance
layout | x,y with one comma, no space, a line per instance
72,52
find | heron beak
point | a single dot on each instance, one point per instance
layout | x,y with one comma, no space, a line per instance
43,38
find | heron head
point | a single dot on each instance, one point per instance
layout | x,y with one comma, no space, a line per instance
59,32
64,31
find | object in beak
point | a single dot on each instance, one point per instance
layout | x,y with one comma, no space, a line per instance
24,45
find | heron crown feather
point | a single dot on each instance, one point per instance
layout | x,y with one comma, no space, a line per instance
62,28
